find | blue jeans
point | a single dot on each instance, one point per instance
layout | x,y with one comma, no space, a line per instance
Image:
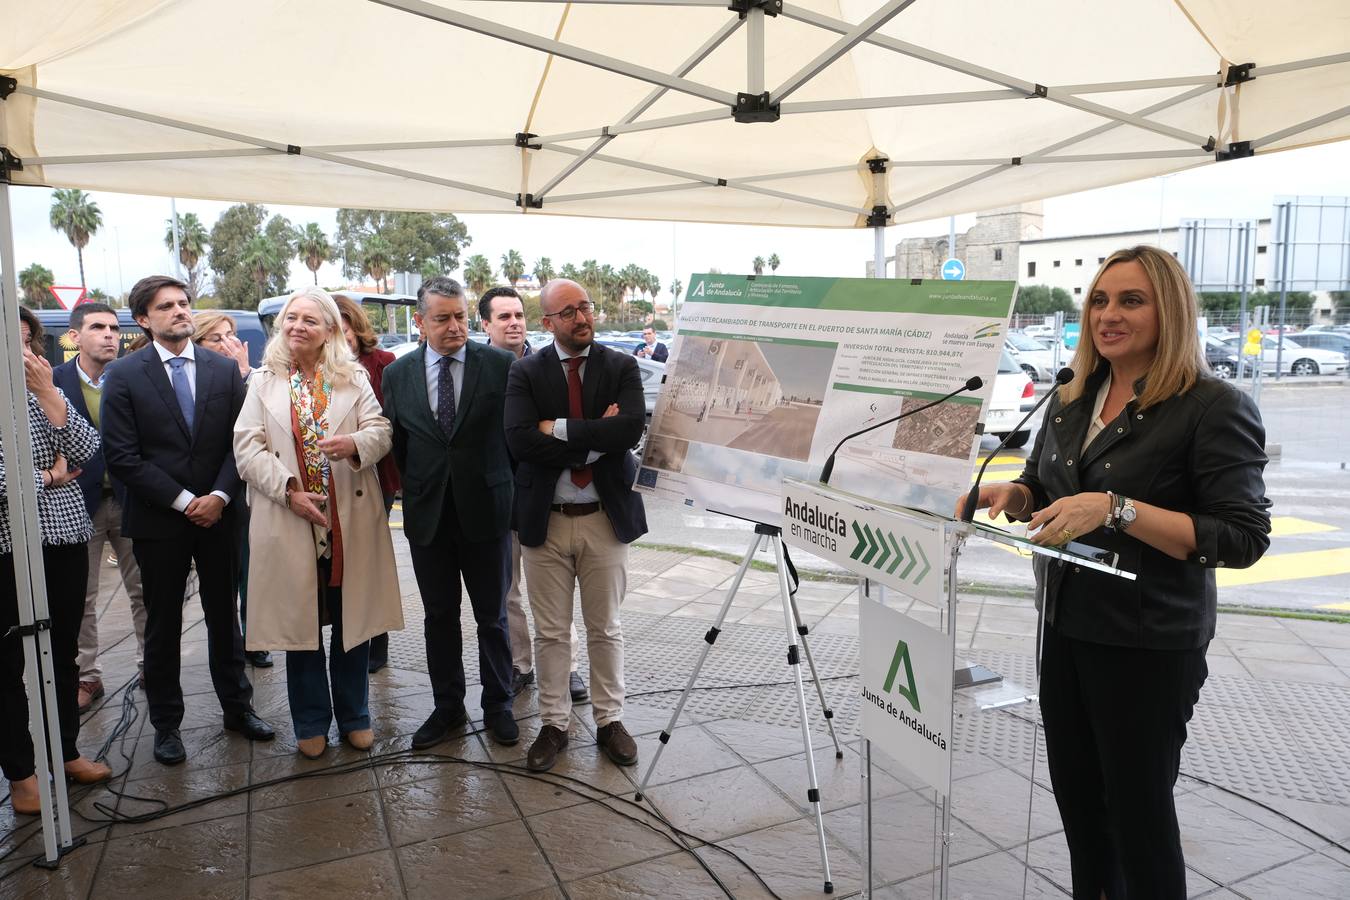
308,679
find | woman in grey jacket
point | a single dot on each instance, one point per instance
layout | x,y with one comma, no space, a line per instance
1146,454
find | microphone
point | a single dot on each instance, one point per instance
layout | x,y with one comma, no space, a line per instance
1063,376
972,384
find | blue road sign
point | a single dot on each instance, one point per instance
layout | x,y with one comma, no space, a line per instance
953,270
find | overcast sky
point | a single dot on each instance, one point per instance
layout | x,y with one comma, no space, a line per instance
130,243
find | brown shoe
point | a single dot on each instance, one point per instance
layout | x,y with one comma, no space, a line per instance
87,771
617,743
88,692
23,796
360,739
544,753
312,747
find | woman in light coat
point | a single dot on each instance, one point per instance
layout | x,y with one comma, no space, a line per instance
307,441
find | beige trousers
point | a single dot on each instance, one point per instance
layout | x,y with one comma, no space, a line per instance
108,530
579,550
522,644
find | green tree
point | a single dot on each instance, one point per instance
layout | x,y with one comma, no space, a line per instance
78,218
36,283
1040,299
676,289
192,242
262,258
98,295
478,274
513,266
235,286
543,271
570,272
377,260
774,263
414,239
313,249
758,265
591,278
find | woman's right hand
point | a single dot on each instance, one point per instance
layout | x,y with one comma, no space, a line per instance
61,473
997,498
309,507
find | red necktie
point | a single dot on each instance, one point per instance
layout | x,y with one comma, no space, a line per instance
580,477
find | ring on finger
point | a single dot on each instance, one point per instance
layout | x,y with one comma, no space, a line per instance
1066,535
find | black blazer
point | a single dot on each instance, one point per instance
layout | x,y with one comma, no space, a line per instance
472,463
148,447
90,479
537,390
1201,453
659,351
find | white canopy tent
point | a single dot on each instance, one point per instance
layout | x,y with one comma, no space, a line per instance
830,113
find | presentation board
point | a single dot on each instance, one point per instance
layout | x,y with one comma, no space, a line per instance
766,374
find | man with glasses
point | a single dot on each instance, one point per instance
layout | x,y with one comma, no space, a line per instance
574,411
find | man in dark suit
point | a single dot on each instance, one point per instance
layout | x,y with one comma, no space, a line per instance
97,335
651,348
444,401
574,411
168,435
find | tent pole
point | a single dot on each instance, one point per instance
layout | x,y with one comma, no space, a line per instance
177,248
26,548
879,252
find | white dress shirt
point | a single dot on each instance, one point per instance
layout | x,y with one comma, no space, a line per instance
566,491
433,372
184,497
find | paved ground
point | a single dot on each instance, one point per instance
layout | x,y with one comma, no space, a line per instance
1270,743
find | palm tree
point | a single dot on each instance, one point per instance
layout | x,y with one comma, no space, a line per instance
192,240
591,278
676,288
653,288
758,265
478,273
36,283
774,263
263,259
376,259
570,272
543,271
77,217
513,266
313,249
98,295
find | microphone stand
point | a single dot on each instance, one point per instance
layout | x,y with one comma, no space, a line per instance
972,384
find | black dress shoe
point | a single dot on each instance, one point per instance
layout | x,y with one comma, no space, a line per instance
169,747
501,727
577,687
544,753
438,726
617,743
520,680
259,659
249,725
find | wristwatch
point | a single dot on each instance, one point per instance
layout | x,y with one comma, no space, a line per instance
1127,514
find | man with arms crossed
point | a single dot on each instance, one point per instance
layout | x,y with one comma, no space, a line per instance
168,435
574,410
503,317
96,333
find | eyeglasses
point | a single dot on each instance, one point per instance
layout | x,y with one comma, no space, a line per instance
569,313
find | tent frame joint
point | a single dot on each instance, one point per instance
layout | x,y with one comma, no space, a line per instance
529,201
742,7
1237,150
755,108
523,139
30,630
879,218
1040,91
878,165
292,150
8,85
8,163
1240,74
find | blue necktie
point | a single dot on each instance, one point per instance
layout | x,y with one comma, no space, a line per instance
181,389
445,397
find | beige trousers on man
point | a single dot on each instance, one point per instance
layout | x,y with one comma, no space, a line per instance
579,550
108,529
522,644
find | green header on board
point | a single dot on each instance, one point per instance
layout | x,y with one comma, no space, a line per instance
932,297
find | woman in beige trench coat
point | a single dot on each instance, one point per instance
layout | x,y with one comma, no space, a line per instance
307,442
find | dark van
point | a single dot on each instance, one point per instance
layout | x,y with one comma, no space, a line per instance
56,322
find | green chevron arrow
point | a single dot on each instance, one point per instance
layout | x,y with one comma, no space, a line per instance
912,559
899,557
872,546
926,565
857,551
885,550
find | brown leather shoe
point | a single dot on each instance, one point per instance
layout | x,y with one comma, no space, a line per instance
617,743
360,739
87,771
544,752
23,796
88,692
312,747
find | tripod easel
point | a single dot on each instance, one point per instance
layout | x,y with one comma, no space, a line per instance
768,535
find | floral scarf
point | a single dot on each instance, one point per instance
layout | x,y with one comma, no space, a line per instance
310,403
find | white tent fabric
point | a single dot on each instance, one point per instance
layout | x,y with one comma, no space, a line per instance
411,104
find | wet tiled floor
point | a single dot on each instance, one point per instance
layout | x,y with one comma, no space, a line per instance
243,820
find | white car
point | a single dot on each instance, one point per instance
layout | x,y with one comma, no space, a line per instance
1296,359
1012,398
1039,331
1035,358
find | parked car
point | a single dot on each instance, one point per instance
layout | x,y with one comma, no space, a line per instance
1039,331
1297,359
1012,398
1035,358
56,322
1221,356
1336,341
397,305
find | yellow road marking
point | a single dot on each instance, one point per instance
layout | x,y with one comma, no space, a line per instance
398,525
1004,461
1341,607
996,475
1289,567
1288,526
